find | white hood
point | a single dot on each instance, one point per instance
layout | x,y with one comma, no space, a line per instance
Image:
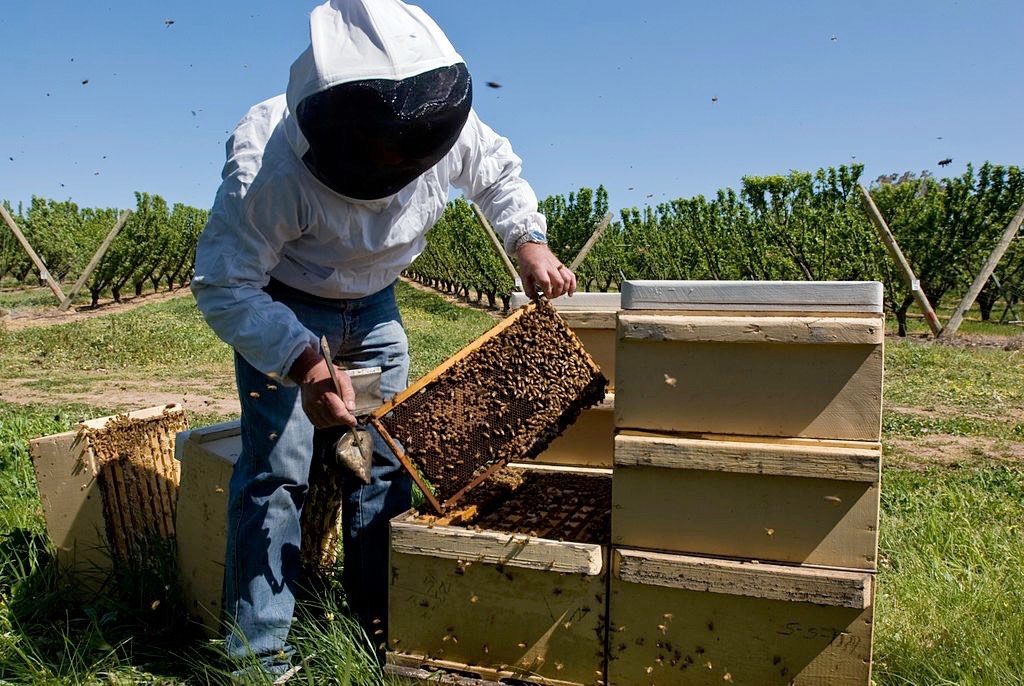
353,40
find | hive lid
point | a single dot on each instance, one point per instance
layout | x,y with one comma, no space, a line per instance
580,301
503,397
756,296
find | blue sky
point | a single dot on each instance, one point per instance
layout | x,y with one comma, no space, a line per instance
593,92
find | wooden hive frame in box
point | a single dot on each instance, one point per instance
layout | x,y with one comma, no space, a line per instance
588,442
501,398
109,488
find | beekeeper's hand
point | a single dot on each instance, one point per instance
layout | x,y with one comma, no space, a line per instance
542,272
320,401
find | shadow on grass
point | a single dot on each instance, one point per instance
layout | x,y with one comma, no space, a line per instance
75,628
130,626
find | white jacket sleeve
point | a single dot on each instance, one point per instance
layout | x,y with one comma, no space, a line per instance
488,172
240,245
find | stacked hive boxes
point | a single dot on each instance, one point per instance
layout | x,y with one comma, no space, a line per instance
746,483
519,594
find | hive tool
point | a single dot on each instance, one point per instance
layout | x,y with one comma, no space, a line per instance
354,449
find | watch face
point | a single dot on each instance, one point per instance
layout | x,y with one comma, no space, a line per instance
536,237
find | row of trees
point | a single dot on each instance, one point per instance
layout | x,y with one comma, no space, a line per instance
800,226
155,248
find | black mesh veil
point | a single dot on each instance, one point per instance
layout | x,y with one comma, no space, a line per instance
369,139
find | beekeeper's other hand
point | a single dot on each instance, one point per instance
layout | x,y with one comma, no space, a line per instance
542,272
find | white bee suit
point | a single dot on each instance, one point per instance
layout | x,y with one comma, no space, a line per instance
272,218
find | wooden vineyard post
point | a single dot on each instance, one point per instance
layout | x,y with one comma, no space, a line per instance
602,226
878,221
44,274
983,276
94,262
498,247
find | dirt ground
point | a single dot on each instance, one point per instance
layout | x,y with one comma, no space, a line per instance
103,389
25,318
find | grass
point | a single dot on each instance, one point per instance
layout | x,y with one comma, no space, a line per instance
164,338
951,580
952,587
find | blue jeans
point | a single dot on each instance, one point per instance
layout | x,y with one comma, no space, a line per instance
270,479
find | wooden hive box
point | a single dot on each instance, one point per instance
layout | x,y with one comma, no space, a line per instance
804,501
677,619
497,603
786,359
207,456
101,508
591,316
589,442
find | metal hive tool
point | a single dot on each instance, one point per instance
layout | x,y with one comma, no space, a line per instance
504,397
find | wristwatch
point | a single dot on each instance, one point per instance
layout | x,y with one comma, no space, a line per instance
531,236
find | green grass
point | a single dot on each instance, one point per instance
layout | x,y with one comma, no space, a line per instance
952,583
166,338
951,578
34,298
436,327
166,335
982,381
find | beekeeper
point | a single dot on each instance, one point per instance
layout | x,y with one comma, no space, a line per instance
327,194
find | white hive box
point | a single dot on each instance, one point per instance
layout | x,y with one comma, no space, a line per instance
499,603
781,359
207,457
804,501
677,619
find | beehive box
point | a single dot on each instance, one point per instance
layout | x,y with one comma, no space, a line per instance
678,619
588,442
591,316
785,359
788,500
207,457
108,488
517,592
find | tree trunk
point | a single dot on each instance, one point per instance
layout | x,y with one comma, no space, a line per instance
95,293
986,309
138,288
987,300
901,315
491,295
116,292
506,300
